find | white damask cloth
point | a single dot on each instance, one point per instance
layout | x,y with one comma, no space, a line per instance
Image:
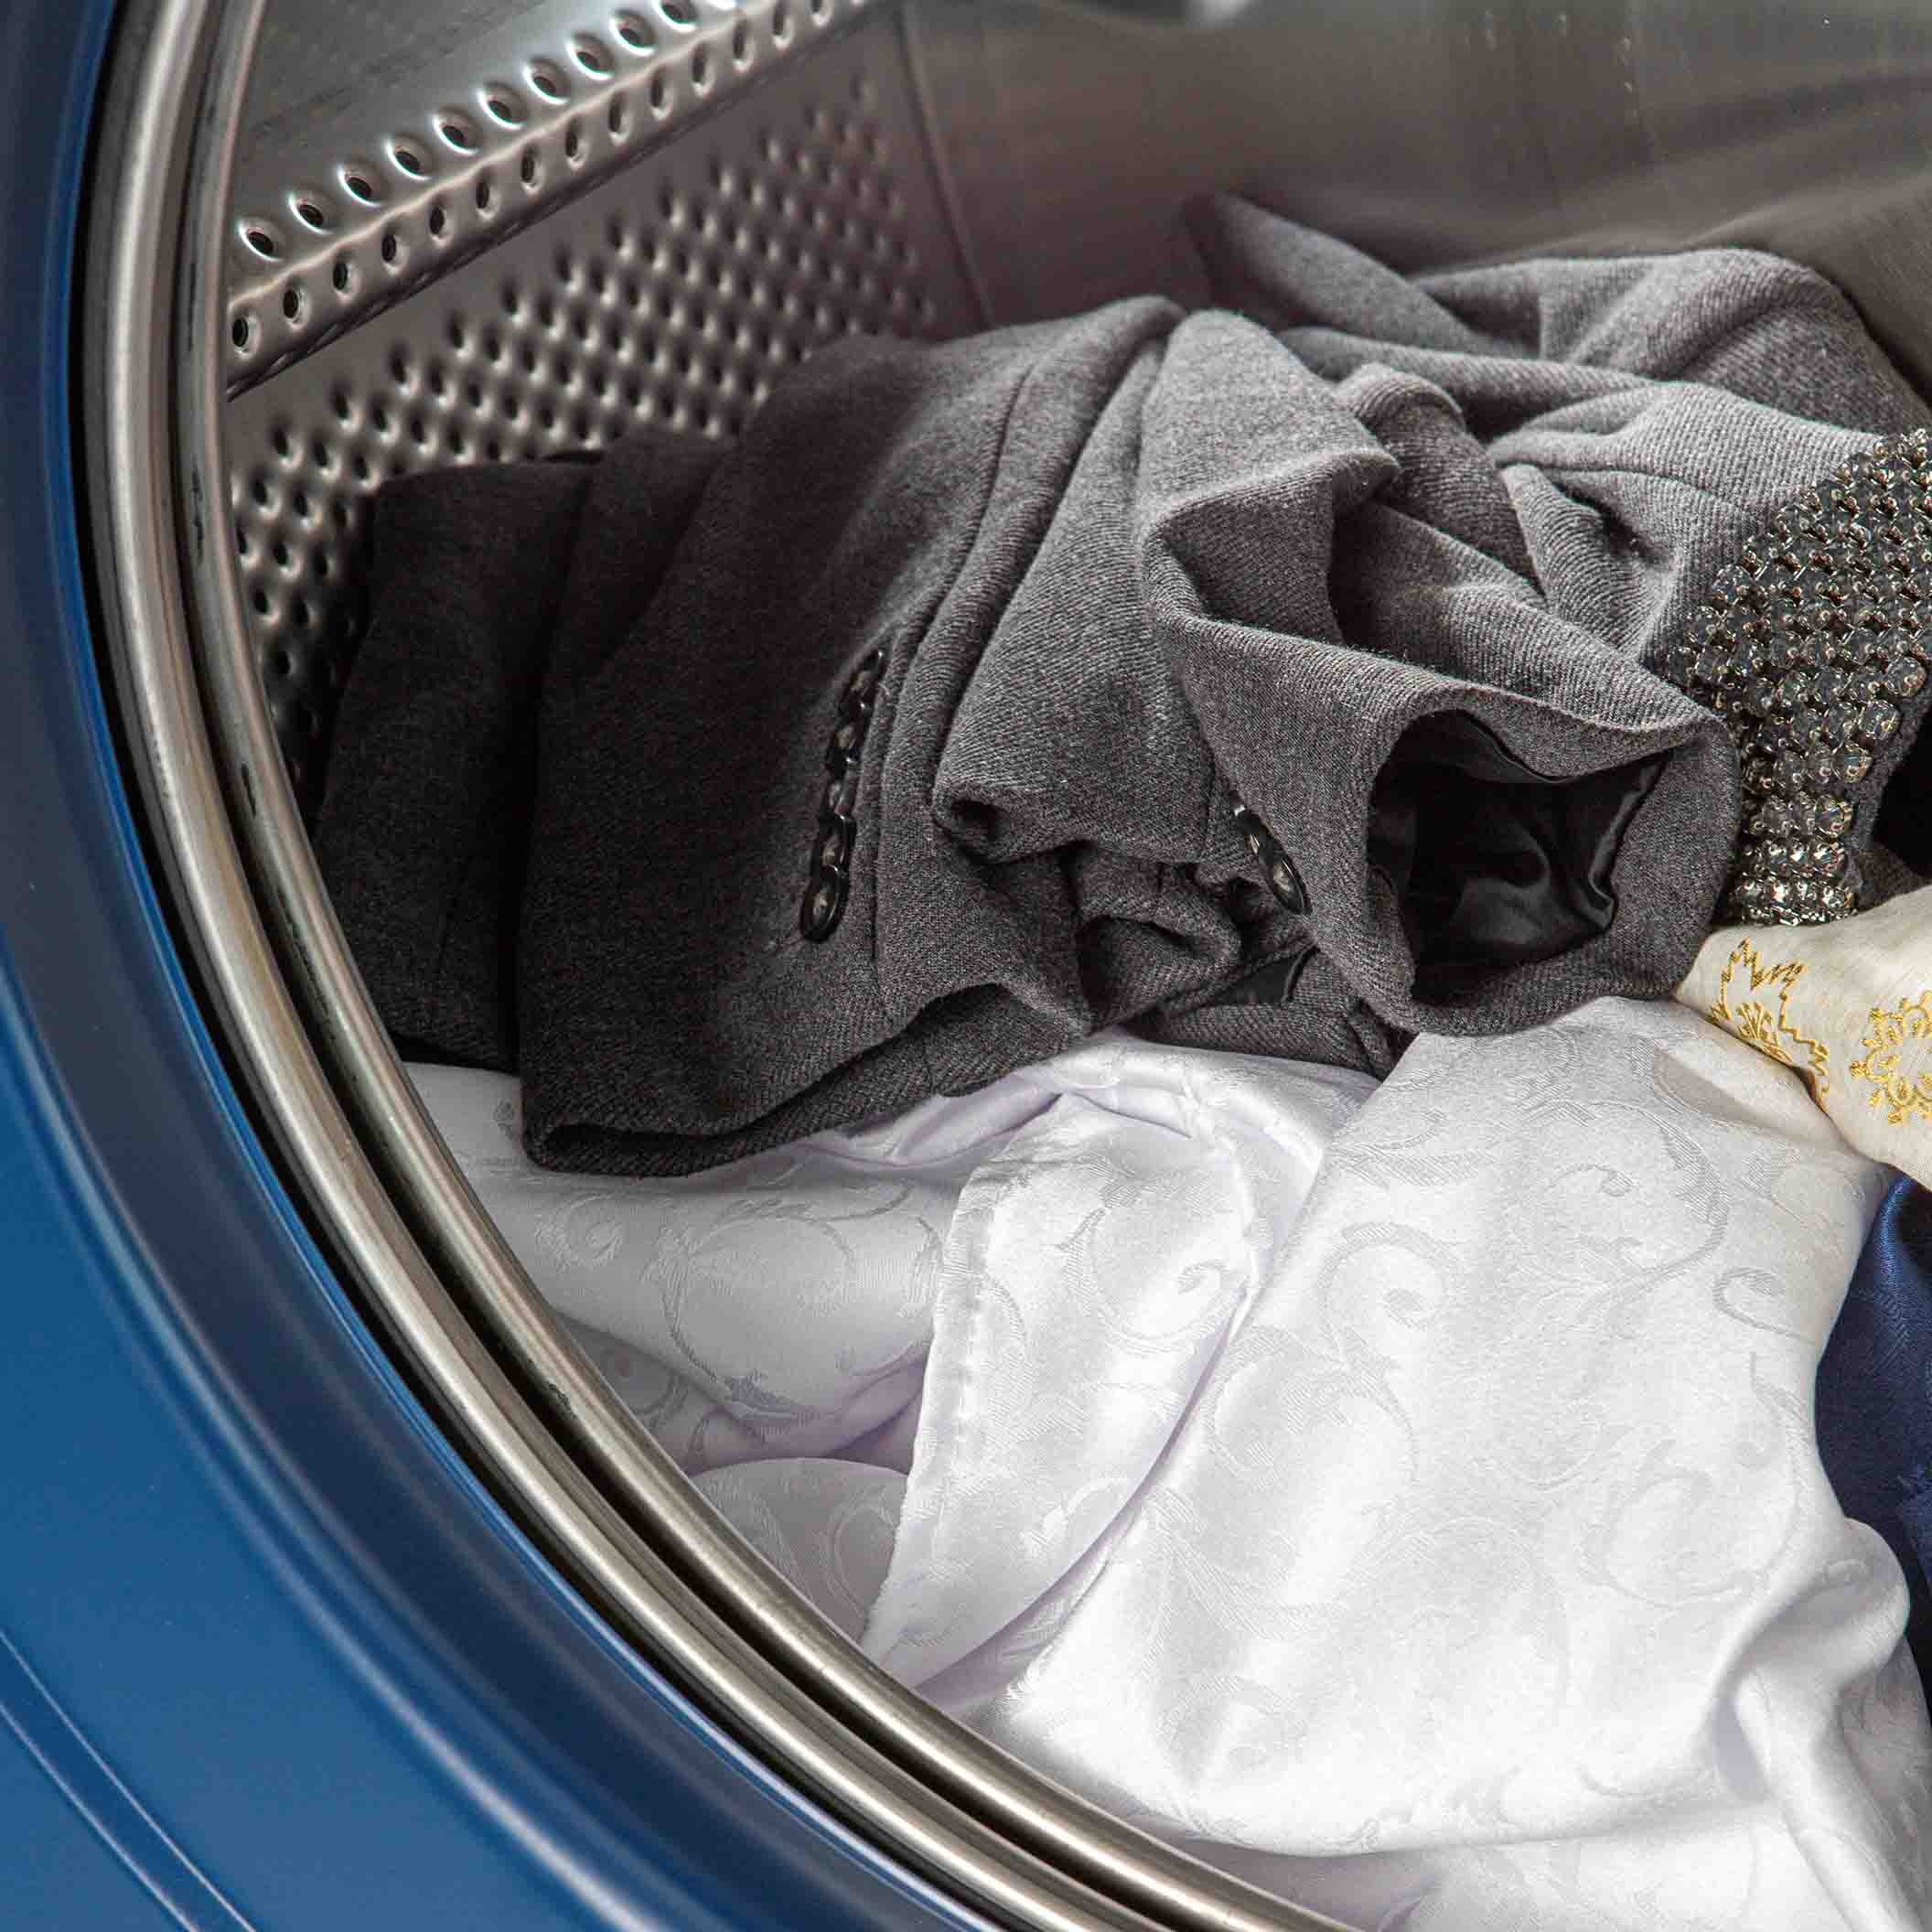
1406,1497
1848,1005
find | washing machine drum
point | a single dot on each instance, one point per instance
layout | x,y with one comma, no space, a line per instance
329,246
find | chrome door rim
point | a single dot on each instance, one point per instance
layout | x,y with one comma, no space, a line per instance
618,1516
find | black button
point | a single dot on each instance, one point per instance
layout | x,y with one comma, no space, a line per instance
865,681
824,905
841,792
1285,883
846,742
1278,871
835,842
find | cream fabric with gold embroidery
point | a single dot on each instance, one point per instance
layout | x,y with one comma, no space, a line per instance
1848,1007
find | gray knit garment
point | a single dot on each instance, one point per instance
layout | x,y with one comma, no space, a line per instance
1285,681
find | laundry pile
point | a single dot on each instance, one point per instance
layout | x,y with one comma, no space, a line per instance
1062,961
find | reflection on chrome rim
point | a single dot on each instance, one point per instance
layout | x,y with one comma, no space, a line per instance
534,1418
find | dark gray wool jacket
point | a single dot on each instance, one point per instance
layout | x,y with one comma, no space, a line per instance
1285,677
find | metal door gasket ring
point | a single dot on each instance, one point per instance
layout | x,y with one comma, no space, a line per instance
637,1538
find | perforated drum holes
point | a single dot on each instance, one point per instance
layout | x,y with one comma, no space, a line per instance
634,34
493,149
677,295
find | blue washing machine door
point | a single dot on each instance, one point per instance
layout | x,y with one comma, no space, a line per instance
270,1656
275,1652
316,1606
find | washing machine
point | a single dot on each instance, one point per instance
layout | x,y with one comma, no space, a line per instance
338,1588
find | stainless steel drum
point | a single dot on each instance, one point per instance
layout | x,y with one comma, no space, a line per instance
335,243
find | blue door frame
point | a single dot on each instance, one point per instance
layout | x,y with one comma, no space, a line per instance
270,1655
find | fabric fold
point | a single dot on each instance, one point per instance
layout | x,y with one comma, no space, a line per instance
1489,1557
1408,1494
1291,684
1848,1007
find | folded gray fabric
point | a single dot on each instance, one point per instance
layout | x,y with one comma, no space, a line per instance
1810,627
423,826
1283,684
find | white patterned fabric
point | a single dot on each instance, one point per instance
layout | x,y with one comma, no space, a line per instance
1848,1007
1407,1496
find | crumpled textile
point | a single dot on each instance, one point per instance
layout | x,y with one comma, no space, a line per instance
1874,1395
1284,684
1847,1007
1406,1496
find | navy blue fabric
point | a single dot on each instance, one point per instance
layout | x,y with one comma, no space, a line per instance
1874,1395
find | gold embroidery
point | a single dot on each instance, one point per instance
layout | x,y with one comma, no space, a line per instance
1888,1029
1754,1022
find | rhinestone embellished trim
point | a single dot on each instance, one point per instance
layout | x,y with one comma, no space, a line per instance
1813,648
